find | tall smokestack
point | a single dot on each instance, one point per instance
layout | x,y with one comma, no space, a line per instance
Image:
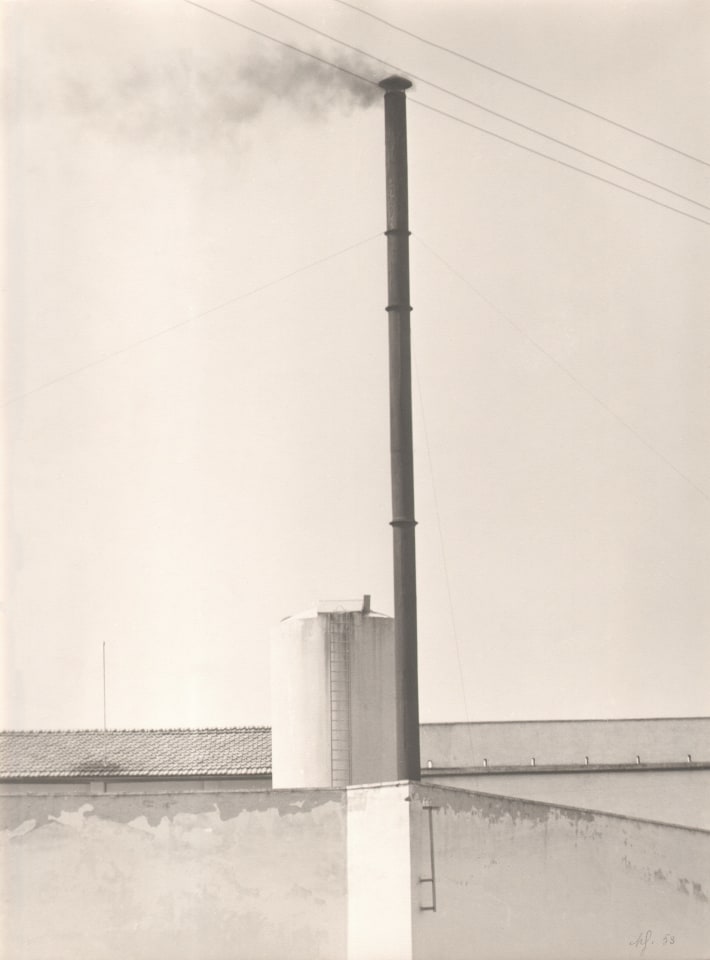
403,522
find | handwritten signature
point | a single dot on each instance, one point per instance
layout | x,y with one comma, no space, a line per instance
646,938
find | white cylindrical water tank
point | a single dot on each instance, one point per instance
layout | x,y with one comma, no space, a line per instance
333,697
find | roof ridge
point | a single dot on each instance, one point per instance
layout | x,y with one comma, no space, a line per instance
266,728
139,730
492,723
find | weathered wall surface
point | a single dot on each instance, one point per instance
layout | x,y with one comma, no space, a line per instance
219,876
673,796
519,879
333,875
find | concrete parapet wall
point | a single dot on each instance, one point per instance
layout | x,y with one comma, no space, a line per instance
336,874
219,876
520,879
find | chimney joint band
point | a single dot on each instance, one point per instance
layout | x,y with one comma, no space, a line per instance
401,522
398,306
398,231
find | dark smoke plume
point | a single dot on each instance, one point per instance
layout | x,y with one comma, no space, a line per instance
189,100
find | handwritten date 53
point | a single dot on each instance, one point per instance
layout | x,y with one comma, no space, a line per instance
647,938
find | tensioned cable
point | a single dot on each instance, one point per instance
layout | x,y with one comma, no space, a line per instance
568,373
283,43
445,564
563,163
443,113
192,319
525,83
480,106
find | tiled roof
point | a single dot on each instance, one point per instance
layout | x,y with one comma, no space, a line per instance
61,754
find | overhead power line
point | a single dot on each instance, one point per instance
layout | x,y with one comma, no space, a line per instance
480,106
563,163
283,43
182,323
568,373
525,83
443,113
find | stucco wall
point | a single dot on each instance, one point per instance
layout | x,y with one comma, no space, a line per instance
333,874
674,796
244,876
518,879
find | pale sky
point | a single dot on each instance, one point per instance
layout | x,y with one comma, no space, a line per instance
175,494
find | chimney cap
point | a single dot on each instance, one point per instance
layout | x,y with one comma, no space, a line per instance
395,83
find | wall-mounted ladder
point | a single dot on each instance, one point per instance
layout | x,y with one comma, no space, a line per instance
340,745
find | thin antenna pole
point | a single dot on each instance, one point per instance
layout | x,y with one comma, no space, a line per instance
104,675
400,360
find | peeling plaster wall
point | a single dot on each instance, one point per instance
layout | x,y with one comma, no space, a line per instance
518,879
214,876
674,796
309,874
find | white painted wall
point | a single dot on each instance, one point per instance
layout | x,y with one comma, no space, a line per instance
379,873
301,698
300,703
517,879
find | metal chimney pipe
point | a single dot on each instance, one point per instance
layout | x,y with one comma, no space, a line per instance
400,361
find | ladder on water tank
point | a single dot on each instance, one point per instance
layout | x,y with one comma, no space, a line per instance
340,746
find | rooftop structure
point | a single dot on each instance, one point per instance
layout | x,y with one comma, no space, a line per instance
446,748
